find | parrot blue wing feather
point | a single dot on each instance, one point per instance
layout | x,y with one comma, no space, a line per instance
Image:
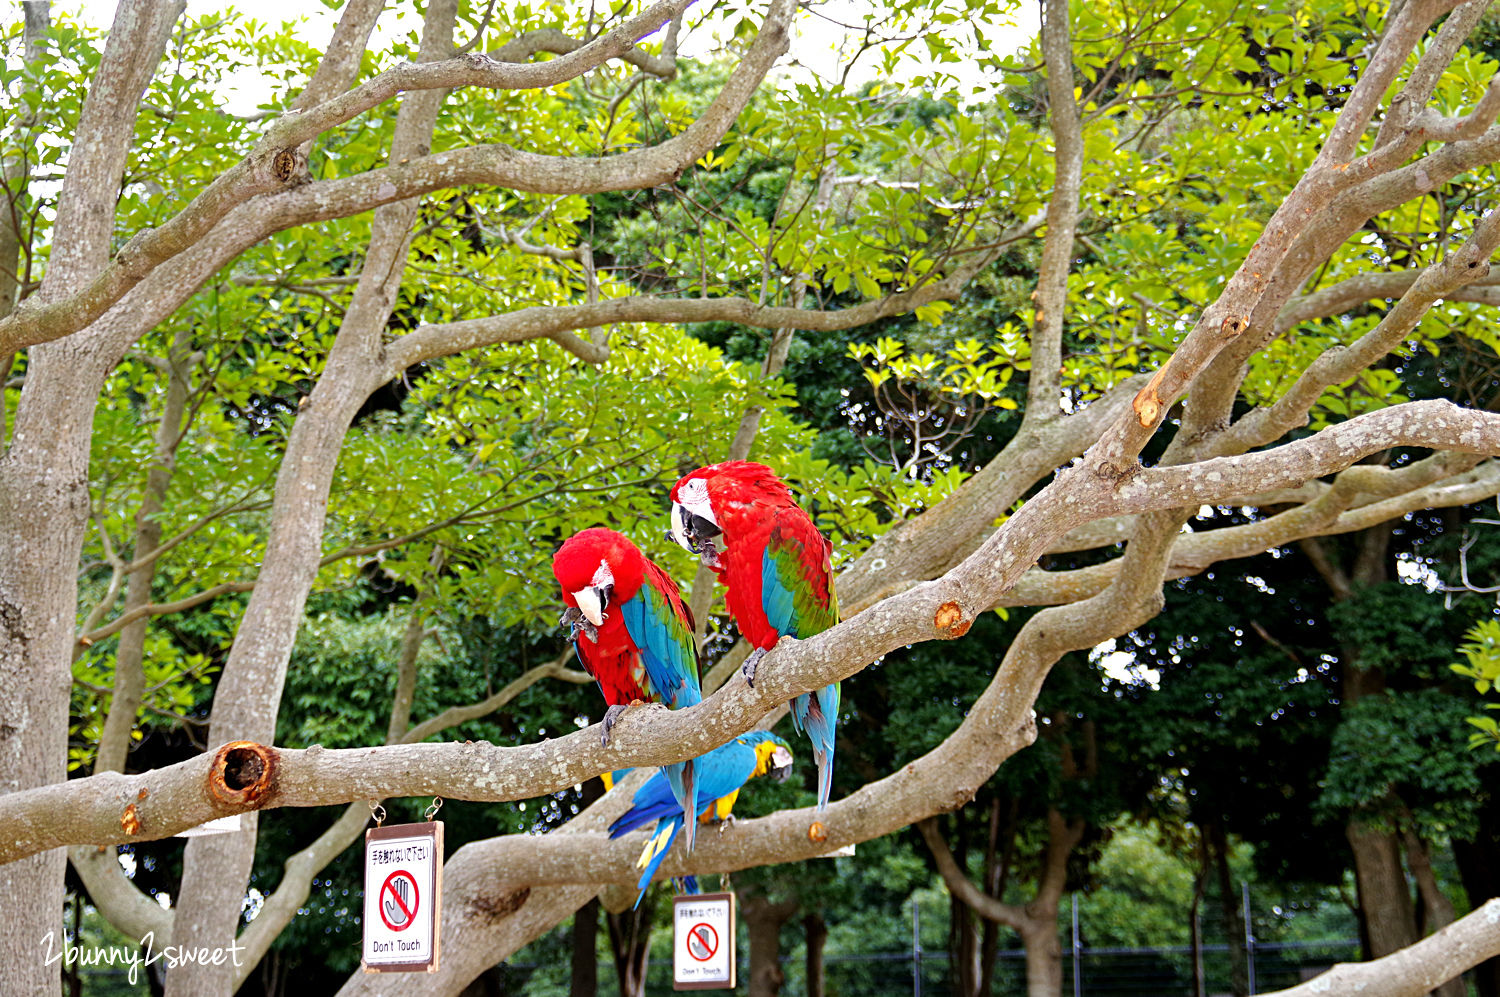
816,713
652,801
661,629
785,568
668,648
776,596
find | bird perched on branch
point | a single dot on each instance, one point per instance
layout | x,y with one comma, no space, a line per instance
777,569
631,631
722,773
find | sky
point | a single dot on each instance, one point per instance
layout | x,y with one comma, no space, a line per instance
815,44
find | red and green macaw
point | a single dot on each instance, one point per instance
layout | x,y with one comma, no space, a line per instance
722,773
631,631
778,571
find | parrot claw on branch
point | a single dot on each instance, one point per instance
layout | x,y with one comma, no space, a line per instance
610,716
572,618
748,668
728,820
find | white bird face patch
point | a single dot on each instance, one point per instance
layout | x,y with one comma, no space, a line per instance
693,522
594,599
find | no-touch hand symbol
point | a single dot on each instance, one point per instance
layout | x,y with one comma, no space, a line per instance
399,900
702,941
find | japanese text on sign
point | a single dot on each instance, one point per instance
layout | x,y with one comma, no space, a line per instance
403,886
703,942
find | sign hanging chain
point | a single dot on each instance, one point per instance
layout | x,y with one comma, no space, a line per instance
378,812
437,804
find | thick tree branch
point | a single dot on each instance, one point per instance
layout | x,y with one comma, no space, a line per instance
217,868
1465,265
90,811
1229,318
558,323
1043,389
1418,969
276,164
475,69
959,884
1413,98
1195,552
160,268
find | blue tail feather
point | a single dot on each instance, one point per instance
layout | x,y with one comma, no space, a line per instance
670,828
683,779
816,714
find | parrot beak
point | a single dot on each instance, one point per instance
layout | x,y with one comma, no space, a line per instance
592,602
781,764
692,531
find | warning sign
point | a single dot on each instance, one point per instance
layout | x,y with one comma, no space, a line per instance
403,888
703,942
399,899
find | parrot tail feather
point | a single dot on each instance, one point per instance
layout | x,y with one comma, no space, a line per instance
689,796
825,777
656,849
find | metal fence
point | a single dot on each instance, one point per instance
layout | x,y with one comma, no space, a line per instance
1096,972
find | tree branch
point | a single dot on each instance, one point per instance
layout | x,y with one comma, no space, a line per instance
1417,969
209,234
1043,388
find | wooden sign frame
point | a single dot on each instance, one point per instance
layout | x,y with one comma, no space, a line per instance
728,940
434,830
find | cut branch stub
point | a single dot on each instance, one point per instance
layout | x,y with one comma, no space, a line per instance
243,775
950,621
1147,402
287,165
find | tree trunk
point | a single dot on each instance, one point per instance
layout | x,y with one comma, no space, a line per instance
585,976
1200,882
1384,897
815,932
963,947
1229,901
216,868
764,919
989,939
630,942
44,493
1437,910
1479,867
1043,955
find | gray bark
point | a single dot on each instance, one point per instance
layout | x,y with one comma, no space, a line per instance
44,486
216,868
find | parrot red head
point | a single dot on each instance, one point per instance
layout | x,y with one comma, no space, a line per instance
704,501
597,567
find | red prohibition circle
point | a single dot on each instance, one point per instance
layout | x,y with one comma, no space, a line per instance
389,886
707,939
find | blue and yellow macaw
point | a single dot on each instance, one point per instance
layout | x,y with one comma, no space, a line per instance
721,773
